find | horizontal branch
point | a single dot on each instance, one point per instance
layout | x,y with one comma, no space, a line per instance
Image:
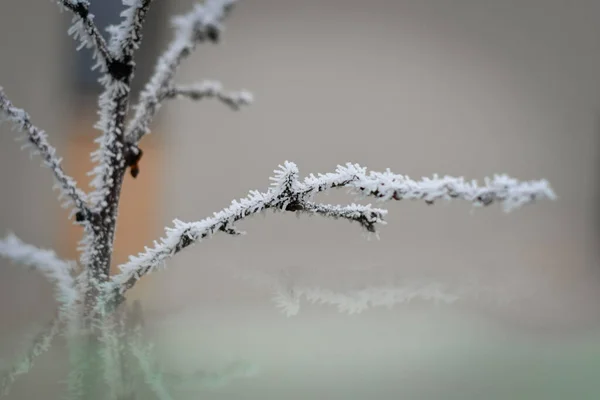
45,261
288,193
85,30
201,24
38,138
385,186
40,345
211,89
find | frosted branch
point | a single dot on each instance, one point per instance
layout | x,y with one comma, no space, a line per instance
39,139
288,193
211,90
201,24
56,270
127,36
386,185
85,30
40,345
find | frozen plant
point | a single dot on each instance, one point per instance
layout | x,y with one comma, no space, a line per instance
107,355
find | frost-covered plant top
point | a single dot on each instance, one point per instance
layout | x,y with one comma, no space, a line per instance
91,313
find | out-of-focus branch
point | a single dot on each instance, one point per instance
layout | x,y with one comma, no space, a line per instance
211,90
40,345
39,139
144,355
288,292
288,193
56,270
201,24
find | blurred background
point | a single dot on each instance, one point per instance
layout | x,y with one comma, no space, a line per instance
466,88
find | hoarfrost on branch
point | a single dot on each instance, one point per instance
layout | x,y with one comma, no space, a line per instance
90,298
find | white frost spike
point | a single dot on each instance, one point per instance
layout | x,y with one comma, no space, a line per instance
287,301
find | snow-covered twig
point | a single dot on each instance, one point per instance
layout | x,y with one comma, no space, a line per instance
40,345
288,193
211,89
127,36
200,24
38,138
56,270
84,30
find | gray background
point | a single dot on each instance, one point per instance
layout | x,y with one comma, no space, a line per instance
465,87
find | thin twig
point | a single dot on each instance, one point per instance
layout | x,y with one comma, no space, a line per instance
201,24
208,90
39,139
84,30
127,36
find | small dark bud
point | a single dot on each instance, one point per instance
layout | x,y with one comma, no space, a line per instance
486,200
79,217
212,32
135,170
133,154
294,206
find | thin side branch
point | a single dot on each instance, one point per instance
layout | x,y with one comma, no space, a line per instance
127,36
288,193
56,270
40,345
85,30
39,139
211,90
367,216
201,24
